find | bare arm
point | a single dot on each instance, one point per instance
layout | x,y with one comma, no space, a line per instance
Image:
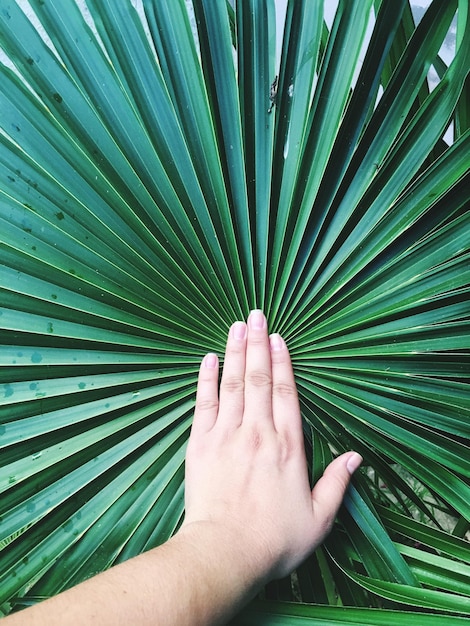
250,514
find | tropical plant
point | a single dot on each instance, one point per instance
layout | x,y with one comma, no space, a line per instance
154,187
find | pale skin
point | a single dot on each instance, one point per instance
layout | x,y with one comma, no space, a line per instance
250,517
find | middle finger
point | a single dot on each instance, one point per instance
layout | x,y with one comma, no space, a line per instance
258,371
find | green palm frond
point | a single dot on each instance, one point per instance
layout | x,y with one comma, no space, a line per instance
154,187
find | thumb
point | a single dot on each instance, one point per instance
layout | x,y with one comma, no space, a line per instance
329,491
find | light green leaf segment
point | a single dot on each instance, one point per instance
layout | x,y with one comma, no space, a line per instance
154,188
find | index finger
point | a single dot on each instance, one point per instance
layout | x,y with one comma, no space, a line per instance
286,408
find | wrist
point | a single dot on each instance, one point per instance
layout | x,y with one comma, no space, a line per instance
231,555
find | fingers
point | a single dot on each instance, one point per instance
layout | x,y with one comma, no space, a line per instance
258,371
329,491
286,409
207,401
257,383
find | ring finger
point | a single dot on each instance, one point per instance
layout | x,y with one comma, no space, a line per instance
232,385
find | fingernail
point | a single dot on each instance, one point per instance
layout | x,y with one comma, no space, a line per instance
211,361
353,462
276,342
238,330
256,320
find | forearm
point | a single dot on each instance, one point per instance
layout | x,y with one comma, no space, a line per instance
198,577
222,575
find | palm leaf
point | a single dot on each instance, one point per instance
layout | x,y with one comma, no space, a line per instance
151,193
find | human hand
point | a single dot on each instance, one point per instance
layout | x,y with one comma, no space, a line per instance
246,473
250,514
